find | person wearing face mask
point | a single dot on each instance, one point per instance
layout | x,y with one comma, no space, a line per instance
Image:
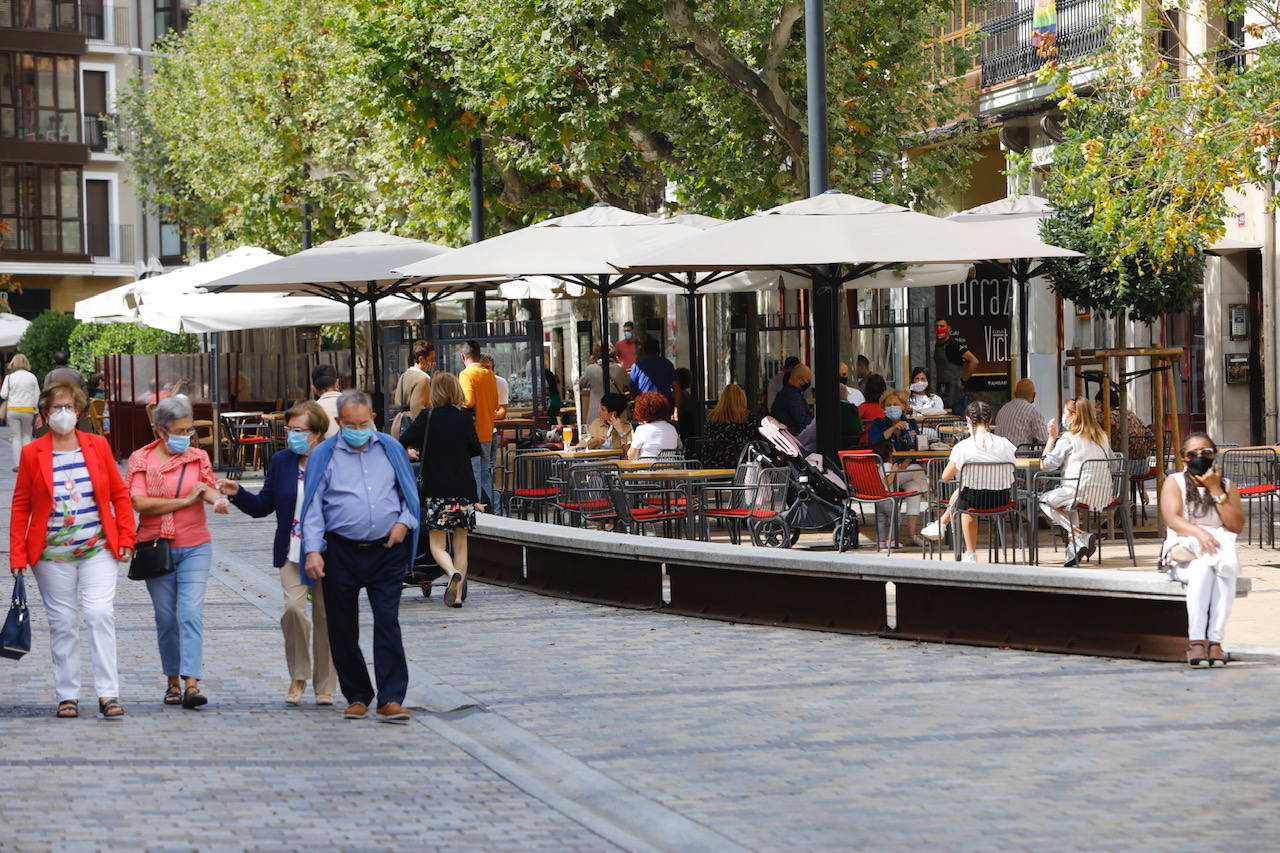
953,363
626,346
360,516
1204,516
850,393
895,427
922,399
69,523
306,651
1080,440
789,406
170,481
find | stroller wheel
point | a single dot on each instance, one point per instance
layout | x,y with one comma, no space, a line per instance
845,537
773,533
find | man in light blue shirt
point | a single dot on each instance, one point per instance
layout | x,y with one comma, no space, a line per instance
360,506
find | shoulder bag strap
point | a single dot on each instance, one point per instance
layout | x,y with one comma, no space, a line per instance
422,449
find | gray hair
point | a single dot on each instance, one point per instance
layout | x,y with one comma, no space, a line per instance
171,409
354,397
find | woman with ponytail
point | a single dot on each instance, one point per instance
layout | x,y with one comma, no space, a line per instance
1203,513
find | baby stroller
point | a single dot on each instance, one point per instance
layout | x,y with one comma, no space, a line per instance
817,491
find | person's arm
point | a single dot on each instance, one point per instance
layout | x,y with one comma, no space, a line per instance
118,495
146,505
1039,432
969,364
1230,511
411,439
1056,451
466,382
877,430
1171,504
19,519
313,525
254,506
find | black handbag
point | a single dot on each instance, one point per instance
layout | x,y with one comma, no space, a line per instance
15,636
154,557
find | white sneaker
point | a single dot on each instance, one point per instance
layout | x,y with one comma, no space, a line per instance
933,530
968,558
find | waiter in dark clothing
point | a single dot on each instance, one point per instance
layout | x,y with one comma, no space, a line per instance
789,406
953,364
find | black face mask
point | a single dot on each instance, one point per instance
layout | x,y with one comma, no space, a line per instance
844,380
805,387
1199,465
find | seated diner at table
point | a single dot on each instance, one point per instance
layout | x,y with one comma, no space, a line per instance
610,430
923,399
728,429
982,445
873,390
655,433
894,427
1083,440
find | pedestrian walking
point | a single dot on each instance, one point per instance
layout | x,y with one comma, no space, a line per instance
359,532
170,482
20,392
1204,516
70,521
306,640
480,395
446,444
604,375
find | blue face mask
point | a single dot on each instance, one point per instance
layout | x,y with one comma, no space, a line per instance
177,443
1065,423
356,437
300,443
893,413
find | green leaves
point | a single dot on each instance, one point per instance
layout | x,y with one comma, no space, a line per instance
46,335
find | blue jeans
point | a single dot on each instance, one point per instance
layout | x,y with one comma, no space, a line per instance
496,509
178,600
484,476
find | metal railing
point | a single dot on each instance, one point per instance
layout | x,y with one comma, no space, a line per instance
1007,52
96,132
111,242
103,23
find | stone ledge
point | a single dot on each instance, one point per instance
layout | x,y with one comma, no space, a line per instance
1111,583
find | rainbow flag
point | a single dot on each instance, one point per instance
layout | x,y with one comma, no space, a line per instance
1044,21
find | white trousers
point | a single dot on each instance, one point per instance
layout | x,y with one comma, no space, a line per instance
1055,504
20,427
1209,600
68,589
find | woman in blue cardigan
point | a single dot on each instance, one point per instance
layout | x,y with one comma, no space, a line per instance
305,427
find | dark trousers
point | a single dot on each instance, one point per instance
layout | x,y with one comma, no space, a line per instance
380,571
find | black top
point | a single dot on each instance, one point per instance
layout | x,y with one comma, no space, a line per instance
446,456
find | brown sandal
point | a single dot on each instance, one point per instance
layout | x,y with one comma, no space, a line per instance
110,709
1217,657
68,709
173,695
1197,654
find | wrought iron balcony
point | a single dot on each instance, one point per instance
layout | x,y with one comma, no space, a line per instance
111,243
96,134
1007,52
104,23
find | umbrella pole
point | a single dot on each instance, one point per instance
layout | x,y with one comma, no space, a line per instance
693,316
604,313
375,359
1023,278
825,309
215,383
351,326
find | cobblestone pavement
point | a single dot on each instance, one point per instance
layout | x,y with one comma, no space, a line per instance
561,725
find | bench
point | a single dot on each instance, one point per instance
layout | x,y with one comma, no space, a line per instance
1085,611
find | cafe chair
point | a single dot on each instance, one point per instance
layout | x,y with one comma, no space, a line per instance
989,476
865,475
1253,472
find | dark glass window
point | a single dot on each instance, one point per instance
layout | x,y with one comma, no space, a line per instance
173,15
42,208
173,244
52,15
38,98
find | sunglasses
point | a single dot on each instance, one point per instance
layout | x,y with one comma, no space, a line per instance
1208,452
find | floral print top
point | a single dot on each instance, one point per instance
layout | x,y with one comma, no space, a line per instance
75,528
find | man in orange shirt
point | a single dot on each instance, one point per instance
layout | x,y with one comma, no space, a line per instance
480,395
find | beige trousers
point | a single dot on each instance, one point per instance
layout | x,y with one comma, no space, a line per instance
300,643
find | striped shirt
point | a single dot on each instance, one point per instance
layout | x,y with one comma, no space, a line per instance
75,528
1021,423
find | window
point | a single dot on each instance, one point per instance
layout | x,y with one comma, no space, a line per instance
38,98
52,15
173,244
173,15
41,205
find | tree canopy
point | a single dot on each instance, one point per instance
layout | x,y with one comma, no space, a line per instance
365,108
1141,181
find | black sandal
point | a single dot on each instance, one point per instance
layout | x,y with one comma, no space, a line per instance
192,698
110,709
71,705
173,695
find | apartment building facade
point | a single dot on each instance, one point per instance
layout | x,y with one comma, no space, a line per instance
72,219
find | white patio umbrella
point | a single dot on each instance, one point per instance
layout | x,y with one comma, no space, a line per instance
234,312
120,304
350,271
12,328
831,239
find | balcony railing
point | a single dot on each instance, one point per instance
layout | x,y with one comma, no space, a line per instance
96,134
103,23
111,243
1007,52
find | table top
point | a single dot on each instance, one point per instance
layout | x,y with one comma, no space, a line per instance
681,474
589,454
1021,461
241,414
515,422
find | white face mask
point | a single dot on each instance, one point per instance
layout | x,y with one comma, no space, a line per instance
918,387
62,422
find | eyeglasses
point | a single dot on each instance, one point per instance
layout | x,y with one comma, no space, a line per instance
64,407
297,429
181,432
1207,452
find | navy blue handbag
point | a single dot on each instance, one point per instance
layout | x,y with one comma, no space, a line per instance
15,636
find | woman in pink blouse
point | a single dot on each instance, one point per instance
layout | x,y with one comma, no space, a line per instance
170,481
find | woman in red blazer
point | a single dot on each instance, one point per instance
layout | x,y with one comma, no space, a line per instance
72,519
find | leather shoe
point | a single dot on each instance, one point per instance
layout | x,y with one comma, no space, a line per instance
355,711
392,712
